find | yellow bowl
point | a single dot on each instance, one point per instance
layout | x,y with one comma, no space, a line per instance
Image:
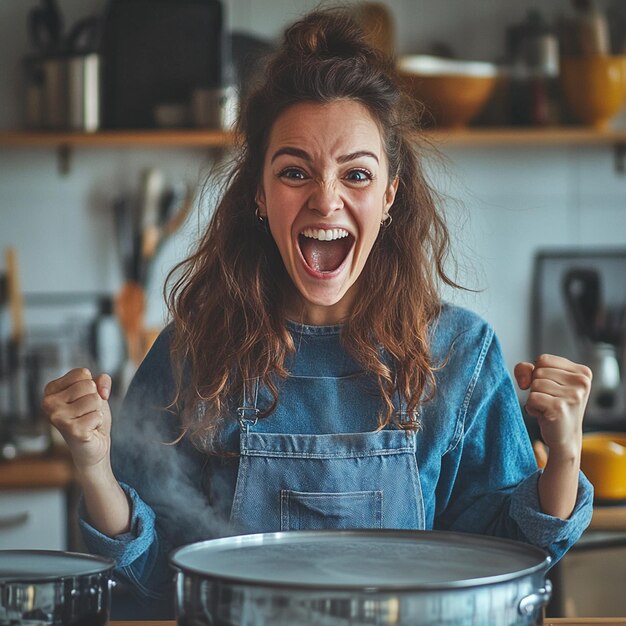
604,463
594,87
454,92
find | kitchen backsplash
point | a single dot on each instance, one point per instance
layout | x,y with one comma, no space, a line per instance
503,203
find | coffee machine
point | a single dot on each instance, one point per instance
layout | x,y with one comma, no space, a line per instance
579,312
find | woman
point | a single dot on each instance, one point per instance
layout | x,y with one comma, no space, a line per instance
311,377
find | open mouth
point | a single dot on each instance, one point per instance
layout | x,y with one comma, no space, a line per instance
324,250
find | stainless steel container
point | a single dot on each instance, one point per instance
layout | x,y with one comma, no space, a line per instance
215,108
50,588
83,92
359,578
63,93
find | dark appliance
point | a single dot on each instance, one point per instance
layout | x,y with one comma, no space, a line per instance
157,52
579,312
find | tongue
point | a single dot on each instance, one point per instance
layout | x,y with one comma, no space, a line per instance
324,256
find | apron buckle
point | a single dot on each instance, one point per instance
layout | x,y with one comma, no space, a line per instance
410,421
245,421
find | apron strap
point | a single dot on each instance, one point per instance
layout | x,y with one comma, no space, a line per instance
402,412
248,413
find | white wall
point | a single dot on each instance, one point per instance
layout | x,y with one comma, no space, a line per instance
503,203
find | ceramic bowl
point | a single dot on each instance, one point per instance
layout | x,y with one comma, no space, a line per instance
604,463
453,92
594,88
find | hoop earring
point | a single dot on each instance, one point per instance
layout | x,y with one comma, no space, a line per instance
386,221
261,221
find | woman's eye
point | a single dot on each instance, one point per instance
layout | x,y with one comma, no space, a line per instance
359,176
292,173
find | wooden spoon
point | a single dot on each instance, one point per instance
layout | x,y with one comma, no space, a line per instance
130,308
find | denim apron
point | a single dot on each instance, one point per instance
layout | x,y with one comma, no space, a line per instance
319,481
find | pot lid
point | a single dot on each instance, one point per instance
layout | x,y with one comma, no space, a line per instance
367,560
48,565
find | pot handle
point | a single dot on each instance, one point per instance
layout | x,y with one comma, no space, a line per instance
529,604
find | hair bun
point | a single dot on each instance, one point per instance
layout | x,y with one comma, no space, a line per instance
327,33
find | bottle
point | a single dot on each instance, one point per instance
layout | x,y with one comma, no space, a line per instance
533,49
592,29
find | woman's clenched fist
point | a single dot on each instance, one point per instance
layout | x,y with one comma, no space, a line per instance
76,405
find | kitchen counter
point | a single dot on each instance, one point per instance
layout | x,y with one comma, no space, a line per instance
36,472
608,518
581,621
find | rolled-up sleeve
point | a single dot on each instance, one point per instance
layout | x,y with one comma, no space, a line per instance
490,470
552,533
126,548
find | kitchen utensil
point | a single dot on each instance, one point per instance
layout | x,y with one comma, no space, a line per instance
62,88
45,27
129,308
15,346
84,36
46,32
453,92
16,300
152,186
50,588
162,222
174,219
124,234
359,577
603,461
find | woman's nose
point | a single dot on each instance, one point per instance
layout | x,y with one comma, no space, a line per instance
325,198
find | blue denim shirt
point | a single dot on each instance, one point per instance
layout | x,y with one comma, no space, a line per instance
476,465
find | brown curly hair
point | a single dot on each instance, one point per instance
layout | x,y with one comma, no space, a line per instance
227,304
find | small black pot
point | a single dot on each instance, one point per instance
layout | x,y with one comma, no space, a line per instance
54,588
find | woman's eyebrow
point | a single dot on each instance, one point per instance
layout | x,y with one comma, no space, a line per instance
302,154
297,152
356,155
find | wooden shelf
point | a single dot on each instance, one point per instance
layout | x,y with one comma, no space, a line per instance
574,135
65,142
211,138
139,138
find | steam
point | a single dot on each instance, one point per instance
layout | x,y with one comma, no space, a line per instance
191,500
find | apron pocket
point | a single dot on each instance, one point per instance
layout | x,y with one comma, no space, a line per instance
316,511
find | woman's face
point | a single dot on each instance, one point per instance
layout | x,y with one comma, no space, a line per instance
325,190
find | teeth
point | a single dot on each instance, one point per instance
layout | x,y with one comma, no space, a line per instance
325,235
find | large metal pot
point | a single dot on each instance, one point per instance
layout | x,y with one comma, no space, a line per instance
53,588
358,578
